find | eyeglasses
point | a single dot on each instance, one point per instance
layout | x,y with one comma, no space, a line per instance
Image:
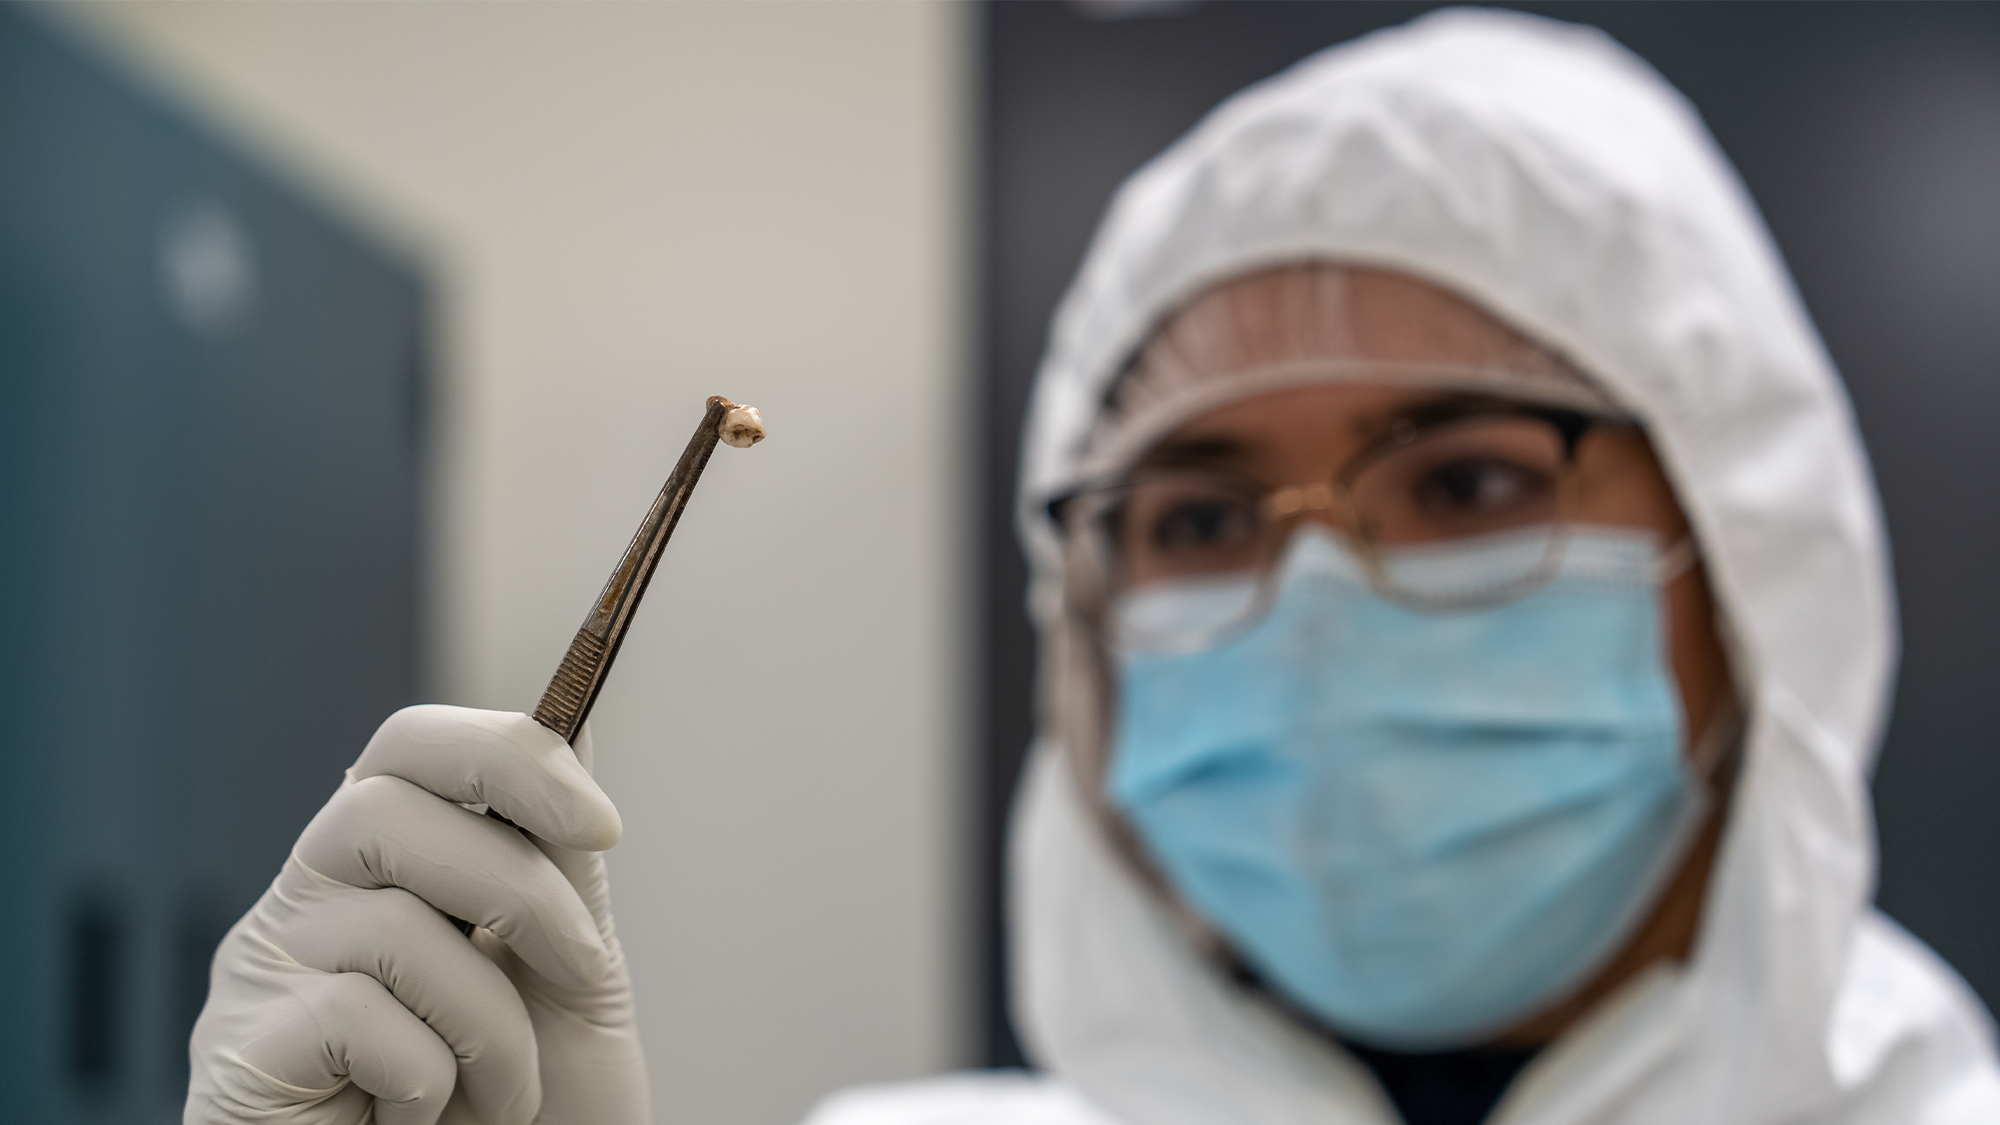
1498,478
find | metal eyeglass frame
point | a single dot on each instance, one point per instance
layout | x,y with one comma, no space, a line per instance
1285,505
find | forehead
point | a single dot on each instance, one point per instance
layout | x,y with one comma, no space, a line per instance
1340,346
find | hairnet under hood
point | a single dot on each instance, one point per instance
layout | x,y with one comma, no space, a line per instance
1552,177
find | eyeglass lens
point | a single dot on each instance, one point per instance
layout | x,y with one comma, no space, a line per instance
1410,506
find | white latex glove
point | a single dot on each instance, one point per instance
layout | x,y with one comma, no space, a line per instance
346,991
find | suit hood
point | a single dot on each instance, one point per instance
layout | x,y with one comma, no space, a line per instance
1554,179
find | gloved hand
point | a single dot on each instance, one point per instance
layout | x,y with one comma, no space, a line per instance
346,989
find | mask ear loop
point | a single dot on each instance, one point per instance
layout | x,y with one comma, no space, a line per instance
1717,753
1676,561
1085,739
1718,744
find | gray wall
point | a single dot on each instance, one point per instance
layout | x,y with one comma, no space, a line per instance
1870,135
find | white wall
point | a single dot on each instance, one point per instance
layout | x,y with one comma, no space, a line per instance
628,207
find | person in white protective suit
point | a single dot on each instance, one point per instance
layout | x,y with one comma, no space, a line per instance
1467,627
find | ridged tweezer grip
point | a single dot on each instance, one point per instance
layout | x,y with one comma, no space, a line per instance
562,706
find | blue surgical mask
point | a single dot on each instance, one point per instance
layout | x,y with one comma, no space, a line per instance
1416,826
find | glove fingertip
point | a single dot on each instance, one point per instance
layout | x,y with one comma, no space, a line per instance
587,818
597,830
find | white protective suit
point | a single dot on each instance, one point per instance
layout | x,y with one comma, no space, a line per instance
1555,179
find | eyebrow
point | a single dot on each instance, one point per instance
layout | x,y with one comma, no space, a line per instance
1444,403
1222,451
1196,452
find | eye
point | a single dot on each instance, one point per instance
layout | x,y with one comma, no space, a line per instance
1201,524
1482,487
